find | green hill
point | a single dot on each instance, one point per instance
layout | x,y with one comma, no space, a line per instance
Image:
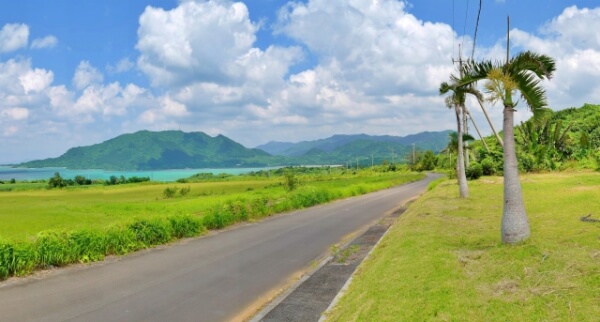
146,150
369,144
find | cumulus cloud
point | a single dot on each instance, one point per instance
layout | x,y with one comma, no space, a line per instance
122,65
206,42
375,46
196,39
15,113
13,36
572,40
367,67
46,42
36,80
86,75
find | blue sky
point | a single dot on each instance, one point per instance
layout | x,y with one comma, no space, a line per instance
76,73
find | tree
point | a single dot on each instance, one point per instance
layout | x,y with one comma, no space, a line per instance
80,180
56,181
457,101
520,74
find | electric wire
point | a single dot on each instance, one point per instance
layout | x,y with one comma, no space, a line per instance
465,24
476,28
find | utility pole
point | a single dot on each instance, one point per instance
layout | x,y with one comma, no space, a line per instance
414,157
463,118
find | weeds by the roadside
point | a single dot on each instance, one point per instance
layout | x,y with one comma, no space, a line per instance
59,247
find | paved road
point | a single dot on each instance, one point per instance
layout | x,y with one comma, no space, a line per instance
215,278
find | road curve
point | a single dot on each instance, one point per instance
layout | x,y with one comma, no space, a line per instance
213,278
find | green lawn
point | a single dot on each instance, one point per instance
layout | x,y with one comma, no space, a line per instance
442,260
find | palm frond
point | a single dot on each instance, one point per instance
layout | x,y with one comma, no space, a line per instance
531,91
542,66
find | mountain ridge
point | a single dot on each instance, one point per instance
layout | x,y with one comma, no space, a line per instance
423,140
147,150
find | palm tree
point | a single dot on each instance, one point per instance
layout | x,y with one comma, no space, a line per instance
457,101
521,74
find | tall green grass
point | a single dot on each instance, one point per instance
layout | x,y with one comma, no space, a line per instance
144,218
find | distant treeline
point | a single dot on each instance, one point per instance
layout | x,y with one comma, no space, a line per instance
59,182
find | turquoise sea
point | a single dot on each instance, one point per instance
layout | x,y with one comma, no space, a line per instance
20,174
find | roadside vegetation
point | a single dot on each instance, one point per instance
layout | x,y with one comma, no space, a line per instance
443,259
55,227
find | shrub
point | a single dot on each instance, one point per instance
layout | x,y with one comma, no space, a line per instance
170,192
451,174
56,181
488,167
526,162
290,181
474,171
184,191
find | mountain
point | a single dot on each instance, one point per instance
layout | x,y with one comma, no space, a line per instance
145,150
347,144
275,148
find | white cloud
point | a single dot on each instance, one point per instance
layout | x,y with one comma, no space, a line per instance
36,80
46,42
15,113
206,42
86,75
122,65
10,130
572,40
173,108
374,46
13,36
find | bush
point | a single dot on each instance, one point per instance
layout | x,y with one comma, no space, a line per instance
474,171
184,191
488,166
526,163
291,182
451,174
170,192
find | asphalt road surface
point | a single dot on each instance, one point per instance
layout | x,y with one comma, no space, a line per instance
221,277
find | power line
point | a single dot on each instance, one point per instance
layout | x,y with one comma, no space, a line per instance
465,25
476,28
453,28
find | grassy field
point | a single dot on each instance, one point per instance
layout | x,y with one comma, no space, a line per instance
26,212
56,227
443,260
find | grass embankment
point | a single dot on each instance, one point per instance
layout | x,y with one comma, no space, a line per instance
44,228
442,260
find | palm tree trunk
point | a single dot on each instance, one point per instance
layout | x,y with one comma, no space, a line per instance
466,130
490,122
460,162
515,226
